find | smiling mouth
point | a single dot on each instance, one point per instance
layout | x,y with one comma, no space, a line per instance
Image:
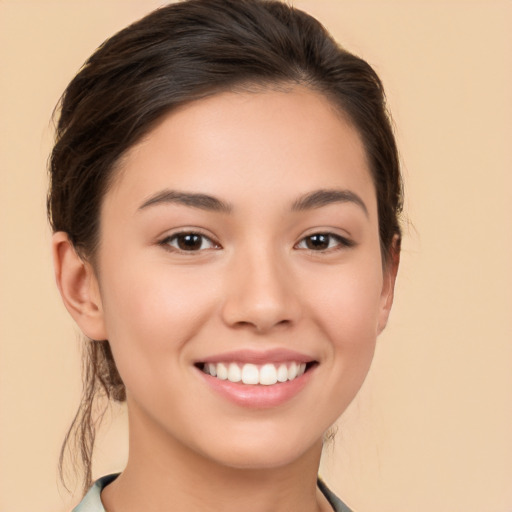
266,374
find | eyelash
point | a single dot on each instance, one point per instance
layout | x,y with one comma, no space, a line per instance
340,242
167,242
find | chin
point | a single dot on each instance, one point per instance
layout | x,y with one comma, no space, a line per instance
265,451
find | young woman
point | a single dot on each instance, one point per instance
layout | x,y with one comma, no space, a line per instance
225,194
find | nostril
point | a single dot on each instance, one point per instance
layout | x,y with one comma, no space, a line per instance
262,325
242,323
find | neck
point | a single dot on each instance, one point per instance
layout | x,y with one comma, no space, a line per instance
162,475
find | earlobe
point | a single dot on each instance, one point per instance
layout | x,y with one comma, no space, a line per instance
78,287
388,285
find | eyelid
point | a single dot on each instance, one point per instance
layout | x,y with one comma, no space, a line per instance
343,242
164,241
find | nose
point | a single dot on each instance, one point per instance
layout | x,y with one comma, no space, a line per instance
261,293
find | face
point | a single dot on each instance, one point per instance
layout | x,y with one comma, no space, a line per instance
240,241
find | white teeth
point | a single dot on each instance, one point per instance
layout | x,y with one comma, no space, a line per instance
292,371
250,374
266,375
282,373
222,371
234,373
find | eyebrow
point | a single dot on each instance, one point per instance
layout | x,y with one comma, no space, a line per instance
309,201
324,197
194,200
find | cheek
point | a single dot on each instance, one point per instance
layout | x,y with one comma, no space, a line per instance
349,305
154,308
347,311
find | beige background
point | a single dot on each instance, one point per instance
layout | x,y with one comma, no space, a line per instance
432,428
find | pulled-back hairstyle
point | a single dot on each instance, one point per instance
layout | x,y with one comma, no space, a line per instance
177,54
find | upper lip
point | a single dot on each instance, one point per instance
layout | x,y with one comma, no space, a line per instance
259,357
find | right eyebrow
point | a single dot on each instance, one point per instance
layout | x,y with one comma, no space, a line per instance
324,197
191,199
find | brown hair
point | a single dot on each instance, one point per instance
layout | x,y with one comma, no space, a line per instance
175,55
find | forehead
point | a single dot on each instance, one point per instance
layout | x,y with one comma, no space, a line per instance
248,143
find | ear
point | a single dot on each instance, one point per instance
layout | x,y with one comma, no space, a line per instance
388,284
78,287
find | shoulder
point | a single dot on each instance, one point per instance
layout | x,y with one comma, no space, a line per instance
335,502
91,502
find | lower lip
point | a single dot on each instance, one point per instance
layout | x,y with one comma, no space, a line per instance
258,396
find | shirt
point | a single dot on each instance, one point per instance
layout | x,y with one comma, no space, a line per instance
92,500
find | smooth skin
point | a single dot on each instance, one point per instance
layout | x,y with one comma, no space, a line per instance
258,265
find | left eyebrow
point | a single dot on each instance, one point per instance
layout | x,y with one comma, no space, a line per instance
324,197
190,199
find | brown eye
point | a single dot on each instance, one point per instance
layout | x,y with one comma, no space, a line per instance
323,242
317,242
189,242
